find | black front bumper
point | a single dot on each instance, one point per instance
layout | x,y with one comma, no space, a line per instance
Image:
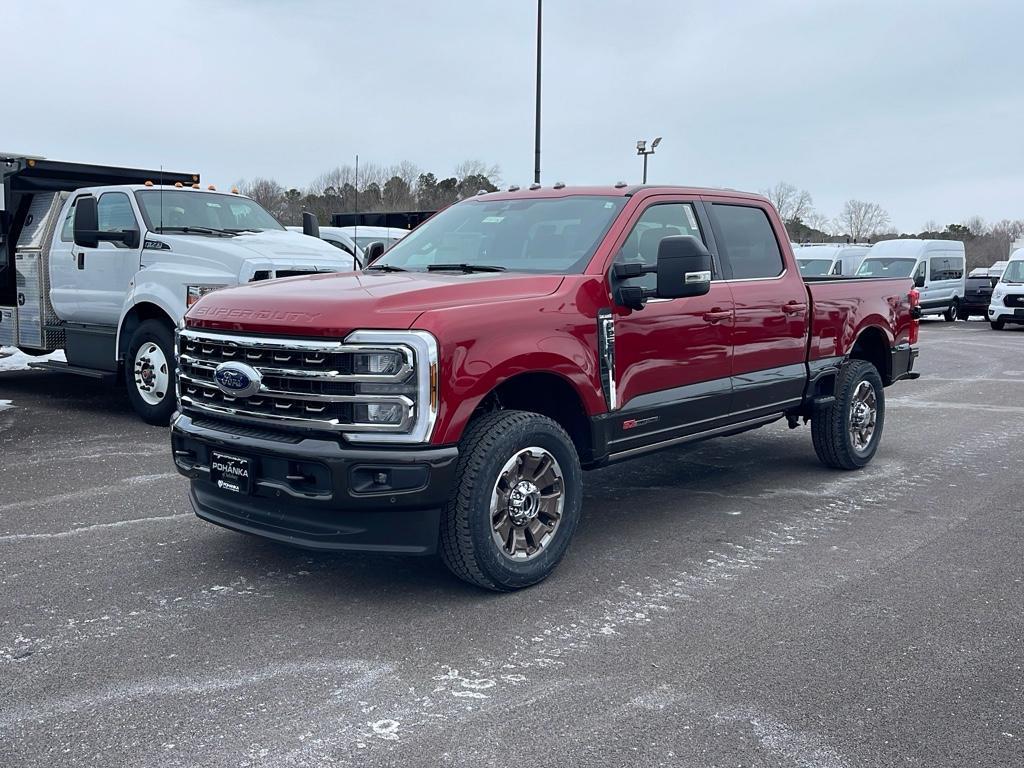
319,492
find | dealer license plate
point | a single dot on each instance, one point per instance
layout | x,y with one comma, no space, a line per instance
231,473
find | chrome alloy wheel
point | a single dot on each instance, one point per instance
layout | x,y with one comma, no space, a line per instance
863,416
152,377
527,503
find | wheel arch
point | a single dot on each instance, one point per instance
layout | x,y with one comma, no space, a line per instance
872,345
136,316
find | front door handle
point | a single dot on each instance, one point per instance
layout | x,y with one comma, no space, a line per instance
792,308
716,315
81,260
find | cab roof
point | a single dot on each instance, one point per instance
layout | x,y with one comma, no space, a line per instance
614,190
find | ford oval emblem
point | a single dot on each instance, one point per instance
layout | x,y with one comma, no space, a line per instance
237,379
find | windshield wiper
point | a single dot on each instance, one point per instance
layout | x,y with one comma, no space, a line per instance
385,268
197,230
464,268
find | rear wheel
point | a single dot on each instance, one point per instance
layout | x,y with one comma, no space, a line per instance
515,503
997,325
951,311
149,372
847,432
963,314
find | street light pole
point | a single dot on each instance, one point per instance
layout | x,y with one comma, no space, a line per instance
643,150
536,138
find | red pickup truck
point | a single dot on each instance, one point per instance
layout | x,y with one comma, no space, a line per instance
448,397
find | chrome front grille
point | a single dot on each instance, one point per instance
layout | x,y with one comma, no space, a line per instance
307,384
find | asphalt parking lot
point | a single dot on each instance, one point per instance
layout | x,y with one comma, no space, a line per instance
733,604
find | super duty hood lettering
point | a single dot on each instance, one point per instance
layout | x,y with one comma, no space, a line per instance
236,313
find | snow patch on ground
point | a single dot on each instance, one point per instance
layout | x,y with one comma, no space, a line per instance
13,359
4,404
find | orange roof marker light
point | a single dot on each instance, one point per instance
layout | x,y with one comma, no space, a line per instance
178,184
148,183
212,188
196,185
234,190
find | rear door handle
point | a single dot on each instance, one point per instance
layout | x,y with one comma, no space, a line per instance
792,308
715,315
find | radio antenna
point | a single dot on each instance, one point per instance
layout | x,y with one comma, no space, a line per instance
355,231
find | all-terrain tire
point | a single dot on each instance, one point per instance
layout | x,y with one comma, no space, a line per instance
831,424
155,404
467,543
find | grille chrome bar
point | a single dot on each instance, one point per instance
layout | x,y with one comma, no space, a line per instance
304,384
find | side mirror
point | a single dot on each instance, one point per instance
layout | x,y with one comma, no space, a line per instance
374,251
310,226
87,222
87,232
919,281
684,268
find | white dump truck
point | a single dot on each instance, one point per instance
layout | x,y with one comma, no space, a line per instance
102,262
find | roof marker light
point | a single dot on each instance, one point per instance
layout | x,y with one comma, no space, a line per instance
559,185
620,184
513,188
196,185
234,190
148,183
178,184
535,185
212,188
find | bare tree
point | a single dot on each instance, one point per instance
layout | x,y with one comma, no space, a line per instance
931,226
976,225
478,168
861,220
266,192
819,221
792,204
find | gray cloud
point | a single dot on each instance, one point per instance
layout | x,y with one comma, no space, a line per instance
915,105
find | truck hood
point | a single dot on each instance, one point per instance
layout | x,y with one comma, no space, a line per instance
250,252
335,304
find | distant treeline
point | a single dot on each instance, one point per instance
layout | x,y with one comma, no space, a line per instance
401,187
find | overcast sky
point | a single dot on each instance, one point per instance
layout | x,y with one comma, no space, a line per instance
915,105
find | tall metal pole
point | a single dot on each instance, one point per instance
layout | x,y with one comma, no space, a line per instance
536,140
645,167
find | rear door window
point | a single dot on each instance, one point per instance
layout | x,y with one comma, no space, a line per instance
746,239
947,268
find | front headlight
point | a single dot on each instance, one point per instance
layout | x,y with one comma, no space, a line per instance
397,373
194,293
998,293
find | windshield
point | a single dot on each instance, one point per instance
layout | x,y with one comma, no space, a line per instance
1014,272
201,210
879,267
815,267
554,235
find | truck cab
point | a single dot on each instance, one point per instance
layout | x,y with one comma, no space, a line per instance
829,260
105,272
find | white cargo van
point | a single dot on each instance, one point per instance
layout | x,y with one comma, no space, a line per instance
102,262
937,267
1007,303
830,259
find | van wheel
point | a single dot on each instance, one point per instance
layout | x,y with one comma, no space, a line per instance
997,325
951,311
847,432
149,372
515,503
963,314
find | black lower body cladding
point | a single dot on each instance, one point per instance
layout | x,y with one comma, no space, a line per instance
317,492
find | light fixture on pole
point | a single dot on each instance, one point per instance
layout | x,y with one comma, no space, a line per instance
643,150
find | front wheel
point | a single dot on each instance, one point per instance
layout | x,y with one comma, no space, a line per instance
515,502
997,325
149,372
846,433
951,311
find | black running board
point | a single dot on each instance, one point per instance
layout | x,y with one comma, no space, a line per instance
107,377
